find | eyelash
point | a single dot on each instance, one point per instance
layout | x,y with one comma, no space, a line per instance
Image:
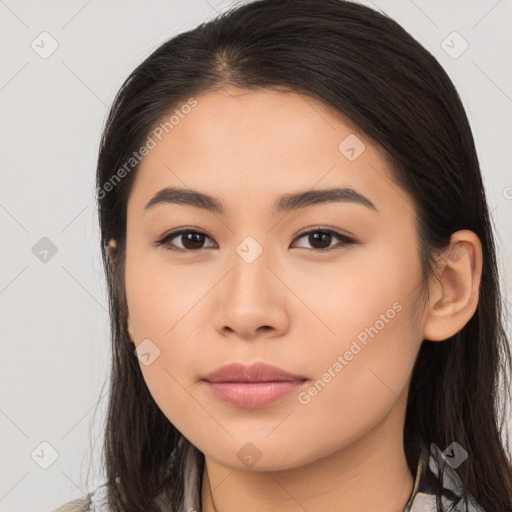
165,240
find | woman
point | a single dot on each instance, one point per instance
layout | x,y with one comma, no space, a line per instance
304,299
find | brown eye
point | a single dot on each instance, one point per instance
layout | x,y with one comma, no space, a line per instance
190,240
320,239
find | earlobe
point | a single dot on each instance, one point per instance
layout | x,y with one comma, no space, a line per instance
454,294
112,251
131,335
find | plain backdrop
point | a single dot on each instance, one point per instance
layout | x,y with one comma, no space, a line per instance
54,320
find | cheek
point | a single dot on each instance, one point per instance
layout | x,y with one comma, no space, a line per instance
359,376
160,294
169,368
363,362
164,305
162,312
365,369
346,296
365,296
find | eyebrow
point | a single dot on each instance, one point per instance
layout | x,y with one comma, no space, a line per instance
286,203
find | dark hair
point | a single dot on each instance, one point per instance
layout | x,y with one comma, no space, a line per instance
365,66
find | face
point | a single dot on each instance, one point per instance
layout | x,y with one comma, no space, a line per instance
324,290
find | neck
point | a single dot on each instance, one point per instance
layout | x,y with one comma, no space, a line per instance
368,474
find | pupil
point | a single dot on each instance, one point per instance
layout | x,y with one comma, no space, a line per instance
193,237
314,238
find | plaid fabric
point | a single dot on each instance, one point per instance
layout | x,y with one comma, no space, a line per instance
425,491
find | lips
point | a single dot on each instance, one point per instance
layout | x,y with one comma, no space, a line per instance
257,372
252,387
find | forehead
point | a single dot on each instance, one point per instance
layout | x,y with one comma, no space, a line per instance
261,142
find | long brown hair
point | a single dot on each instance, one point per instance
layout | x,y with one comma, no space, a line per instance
366,66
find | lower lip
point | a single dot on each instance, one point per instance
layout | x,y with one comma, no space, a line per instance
253,395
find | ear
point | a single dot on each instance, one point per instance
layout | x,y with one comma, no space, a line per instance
130,330
112,256
454,294
112,251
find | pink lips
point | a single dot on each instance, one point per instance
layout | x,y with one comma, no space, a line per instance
254,386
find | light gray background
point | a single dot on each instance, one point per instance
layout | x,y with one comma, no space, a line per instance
54,328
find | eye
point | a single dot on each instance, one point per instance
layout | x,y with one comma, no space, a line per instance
321,239
193,240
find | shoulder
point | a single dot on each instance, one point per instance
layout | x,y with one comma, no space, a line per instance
95,501
78,505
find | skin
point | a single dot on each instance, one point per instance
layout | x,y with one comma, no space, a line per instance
294,306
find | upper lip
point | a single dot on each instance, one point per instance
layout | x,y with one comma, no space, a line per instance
256,372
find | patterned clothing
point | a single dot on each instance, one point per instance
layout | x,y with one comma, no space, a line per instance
422,499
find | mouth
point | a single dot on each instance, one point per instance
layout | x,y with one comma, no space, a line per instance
253,395
252,387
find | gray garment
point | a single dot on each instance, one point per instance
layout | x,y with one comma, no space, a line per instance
423,496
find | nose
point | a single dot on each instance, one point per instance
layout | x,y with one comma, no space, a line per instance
252,301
